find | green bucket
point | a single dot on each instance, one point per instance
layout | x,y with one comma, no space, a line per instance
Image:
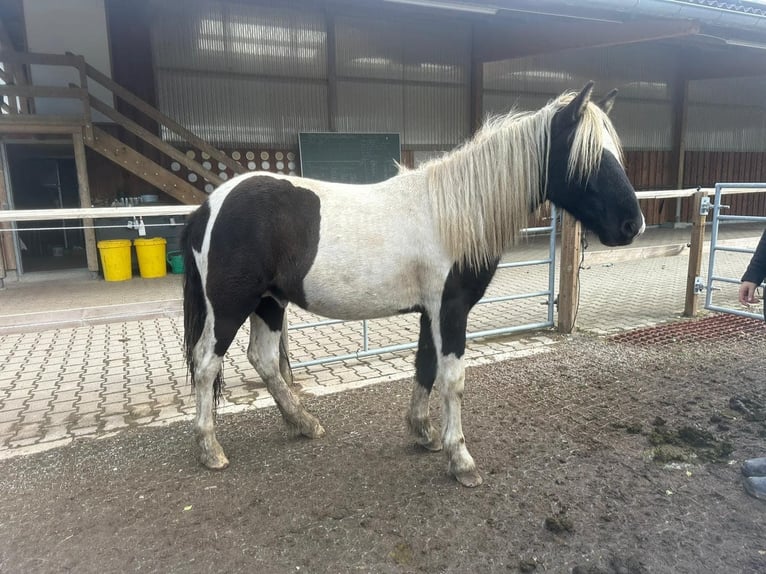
176,262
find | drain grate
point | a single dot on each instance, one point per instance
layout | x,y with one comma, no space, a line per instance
694,330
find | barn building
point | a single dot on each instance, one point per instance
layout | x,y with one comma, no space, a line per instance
105,101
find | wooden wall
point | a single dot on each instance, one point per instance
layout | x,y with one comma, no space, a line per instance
705,169
656,170
653,170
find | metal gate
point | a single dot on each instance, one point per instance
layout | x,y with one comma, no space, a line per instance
713,276
366,350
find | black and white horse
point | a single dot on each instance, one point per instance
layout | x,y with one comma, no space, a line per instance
427,240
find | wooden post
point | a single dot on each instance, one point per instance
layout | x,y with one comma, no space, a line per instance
569,285
88,131
7,253
476,88
694,269
91,252
680,117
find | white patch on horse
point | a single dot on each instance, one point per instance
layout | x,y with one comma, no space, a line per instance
378,250
461,463
611,146
263,353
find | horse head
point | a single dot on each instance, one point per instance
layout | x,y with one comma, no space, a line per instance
585,173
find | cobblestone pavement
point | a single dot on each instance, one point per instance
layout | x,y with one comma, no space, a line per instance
122,366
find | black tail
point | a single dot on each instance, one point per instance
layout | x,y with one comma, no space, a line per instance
195,308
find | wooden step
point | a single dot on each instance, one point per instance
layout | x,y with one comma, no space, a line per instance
151,172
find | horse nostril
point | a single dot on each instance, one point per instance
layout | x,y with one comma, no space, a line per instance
630,228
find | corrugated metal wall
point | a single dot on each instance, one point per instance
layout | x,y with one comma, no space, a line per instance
258,74
238,74
643,113
411,78
727,115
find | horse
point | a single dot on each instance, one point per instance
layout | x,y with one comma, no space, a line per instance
428,240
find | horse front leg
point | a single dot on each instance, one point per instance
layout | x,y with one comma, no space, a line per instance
460,462
418,419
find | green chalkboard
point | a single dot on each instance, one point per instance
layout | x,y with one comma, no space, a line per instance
348,158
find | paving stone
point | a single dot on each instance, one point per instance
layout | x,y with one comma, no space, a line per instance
11,405
27,431
34,417
114,422
84,431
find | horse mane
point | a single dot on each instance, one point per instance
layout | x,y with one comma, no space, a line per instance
483,192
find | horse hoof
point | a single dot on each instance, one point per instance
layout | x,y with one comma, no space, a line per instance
314,431
433,445
214,462
308,427
469,478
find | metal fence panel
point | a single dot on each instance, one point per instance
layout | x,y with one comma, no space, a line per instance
714,277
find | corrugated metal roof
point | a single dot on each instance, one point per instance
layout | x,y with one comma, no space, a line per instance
755,8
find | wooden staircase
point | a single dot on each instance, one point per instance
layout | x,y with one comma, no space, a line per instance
18,117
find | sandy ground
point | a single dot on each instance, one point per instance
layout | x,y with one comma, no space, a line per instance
598,457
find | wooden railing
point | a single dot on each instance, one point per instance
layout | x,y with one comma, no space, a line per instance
167,122
18,115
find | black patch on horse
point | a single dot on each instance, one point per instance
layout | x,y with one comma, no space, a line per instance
271,312
462,290
265,238
425,357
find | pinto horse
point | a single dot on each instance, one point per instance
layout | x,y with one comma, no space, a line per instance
427,240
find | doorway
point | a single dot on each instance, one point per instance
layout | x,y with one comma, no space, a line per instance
45,177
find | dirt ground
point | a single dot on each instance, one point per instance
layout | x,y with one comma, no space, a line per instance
598,457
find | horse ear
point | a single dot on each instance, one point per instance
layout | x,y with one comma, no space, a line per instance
607,101
575,109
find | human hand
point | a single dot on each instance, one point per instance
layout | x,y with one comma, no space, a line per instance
747,293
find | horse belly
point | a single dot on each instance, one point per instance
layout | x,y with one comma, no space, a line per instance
354,294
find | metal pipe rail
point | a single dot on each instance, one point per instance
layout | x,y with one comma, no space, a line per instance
722,189
366,351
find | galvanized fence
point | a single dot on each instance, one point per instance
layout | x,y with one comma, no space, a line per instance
323,329
366,350
714,275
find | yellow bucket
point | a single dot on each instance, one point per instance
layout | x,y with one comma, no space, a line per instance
115,259
151,257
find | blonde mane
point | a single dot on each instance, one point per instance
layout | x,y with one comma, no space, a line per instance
483,192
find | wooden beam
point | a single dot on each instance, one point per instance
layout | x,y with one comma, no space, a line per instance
7,252
153,140
507,40
42,91
691,303
91,253
39,124
680,112
143,167
476,87
39,58
569,280
164,120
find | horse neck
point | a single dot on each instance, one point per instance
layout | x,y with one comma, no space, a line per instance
483,192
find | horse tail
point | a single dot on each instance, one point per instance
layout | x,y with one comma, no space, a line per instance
195,305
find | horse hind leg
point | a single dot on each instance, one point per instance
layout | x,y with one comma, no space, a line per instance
207,368
264,354
418,418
